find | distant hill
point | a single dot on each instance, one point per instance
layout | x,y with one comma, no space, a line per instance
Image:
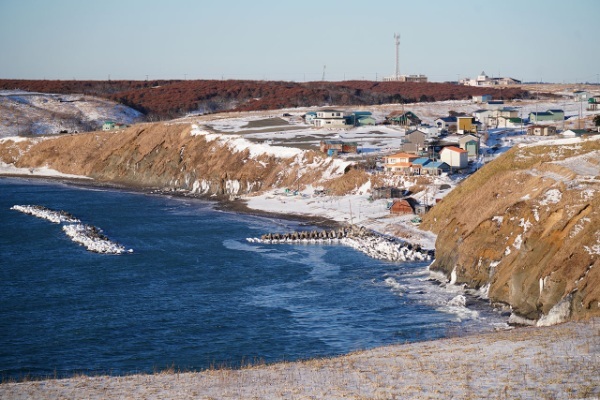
162,99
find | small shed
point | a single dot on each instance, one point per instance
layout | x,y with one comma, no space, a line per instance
365,121
436,168
403,206
541,130
333,147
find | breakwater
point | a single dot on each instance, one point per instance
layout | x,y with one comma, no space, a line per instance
372,243
91,237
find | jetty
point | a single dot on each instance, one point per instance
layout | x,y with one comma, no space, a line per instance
372,243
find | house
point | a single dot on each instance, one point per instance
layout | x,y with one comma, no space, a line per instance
541,130
407,118
418,164
465,124
365,121
111,125
593,103
506,112
550,115
399,162
310,117
469,143
404,206
581,95
354,117
435,168
334,147
446,123
482,98
415,141
508,122
455,157
432,132
482,116
329,119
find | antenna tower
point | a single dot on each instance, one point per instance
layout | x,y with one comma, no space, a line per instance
397,38
323,77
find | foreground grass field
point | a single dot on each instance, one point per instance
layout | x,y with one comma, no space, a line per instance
559,362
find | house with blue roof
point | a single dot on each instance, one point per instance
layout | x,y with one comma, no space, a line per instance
445,123
436,168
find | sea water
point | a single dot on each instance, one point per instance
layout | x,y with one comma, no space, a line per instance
193,293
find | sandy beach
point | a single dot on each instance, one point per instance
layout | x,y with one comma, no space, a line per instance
558,362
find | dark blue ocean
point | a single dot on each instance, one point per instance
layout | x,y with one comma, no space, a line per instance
194,293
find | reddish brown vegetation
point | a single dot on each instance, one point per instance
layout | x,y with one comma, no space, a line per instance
168,99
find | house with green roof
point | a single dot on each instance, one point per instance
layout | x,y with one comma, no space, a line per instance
550,115
407,118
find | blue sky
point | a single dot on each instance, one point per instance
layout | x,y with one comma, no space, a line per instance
530,40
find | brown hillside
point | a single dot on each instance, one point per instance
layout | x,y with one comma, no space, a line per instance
527,225
169,99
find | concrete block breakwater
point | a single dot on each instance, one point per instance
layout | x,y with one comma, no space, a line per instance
88,236
367,241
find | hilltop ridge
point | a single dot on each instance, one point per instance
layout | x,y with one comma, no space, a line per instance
524,231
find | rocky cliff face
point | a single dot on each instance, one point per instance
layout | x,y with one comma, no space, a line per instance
169,157
526,230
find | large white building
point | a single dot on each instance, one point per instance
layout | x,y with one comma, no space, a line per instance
484,80
406,78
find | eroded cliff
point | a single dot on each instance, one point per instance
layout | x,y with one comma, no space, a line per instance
172,157
526,230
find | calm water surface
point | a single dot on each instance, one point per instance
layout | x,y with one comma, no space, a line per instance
194,293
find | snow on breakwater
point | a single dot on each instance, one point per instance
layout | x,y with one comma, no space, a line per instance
45,213
369,242
93,239
88,236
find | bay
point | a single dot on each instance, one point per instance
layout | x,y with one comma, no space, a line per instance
194,293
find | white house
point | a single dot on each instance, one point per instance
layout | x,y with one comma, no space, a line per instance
482,98
509,122
581,95
484,80
483,116
329,119
446,123
455,157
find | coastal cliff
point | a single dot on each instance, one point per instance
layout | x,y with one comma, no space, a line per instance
525,230
173,157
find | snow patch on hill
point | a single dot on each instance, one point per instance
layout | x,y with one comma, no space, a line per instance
28,113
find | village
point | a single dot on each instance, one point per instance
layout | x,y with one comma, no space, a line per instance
415,153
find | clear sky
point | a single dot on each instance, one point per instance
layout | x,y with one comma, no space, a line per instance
530,40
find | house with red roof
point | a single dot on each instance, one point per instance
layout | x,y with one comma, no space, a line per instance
455,157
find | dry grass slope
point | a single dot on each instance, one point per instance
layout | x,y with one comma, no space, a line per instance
527,225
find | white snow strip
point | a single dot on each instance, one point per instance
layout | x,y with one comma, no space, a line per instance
45,213
239,144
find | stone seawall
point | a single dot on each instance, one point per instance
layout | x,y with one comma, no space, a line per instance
367,241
